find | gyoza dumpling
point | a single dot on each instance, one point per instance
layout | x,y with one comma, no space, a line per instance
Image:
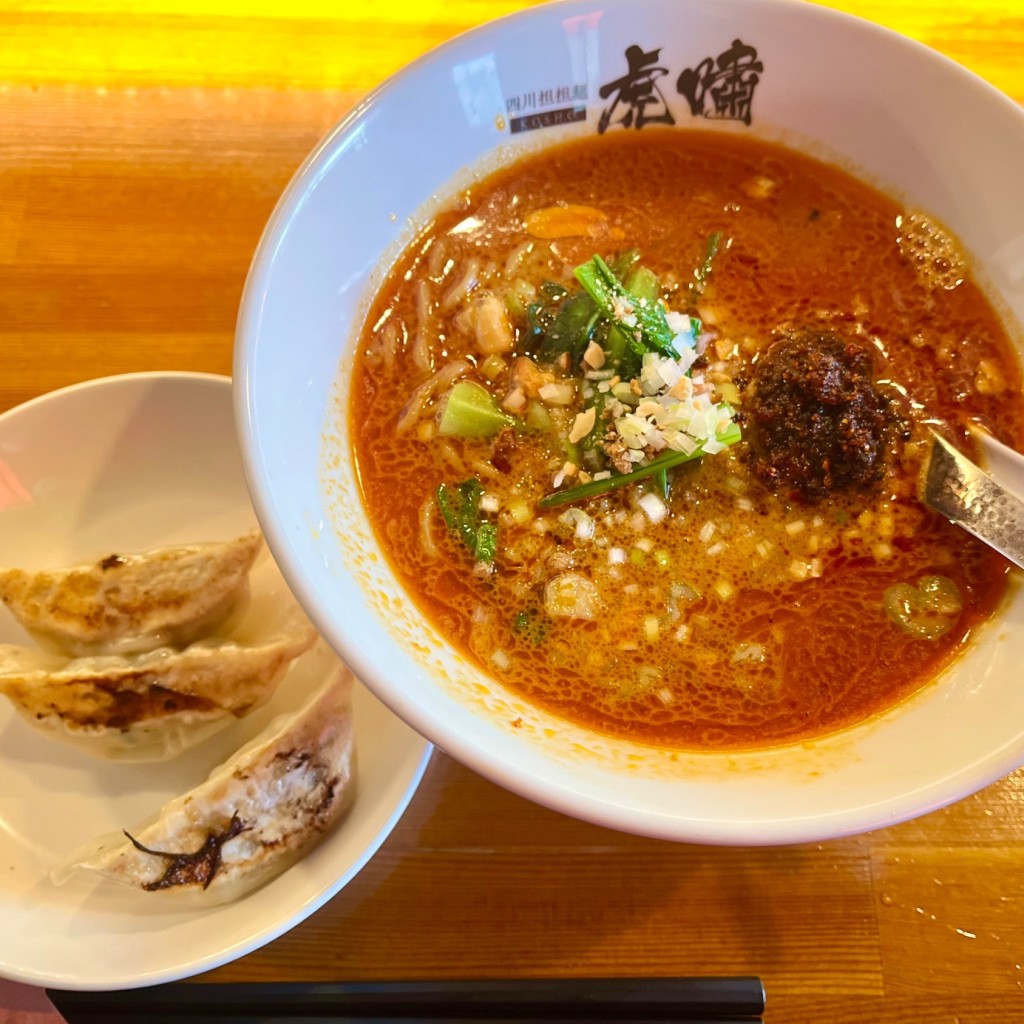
254,816
133,602
151,706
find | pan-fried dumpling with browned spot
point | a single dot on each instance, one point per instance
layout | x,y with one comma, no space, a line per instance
167,597
152,706
254,816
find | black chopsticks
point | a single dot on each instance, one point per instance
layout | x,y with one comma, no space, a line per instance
627,1000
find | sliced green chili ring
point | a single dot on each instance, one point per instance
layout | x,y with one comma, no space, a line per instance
926,611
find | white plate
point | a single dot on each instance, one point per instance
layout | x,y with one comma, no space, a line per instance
128,463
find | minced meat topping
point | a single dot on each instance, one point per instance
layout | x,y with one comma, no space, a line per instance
818,422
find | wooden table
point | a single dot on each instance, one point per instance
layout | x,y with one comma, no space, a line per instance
143,146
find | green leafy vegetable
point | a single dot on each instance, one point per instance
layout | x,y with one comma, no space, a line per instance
657,466
460,509
571,329
643,283
650,332
564,322
623,265
471,411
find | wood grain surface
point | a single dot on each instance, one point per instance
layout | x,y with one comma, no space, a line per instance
143,146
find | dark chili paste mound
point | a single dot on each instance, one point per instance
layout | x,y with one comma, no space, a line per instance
818,422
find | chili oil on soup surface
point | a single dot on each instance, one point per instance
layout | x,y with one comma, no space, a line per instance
746,616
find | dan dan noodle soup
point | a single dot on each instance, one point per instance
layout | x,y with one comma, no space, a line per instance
638,422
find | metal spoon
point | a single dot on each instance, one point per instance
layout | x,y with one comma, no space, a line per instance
989,506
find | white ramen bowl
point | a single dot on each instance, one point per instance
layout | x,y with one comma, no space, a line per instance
897,114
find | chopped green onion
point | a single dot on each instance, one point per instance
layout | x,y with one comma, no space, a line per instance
538,418
597,401
531,625
703,272
493,367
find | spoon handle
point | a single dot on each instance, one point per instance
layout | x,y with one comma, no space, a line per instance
1001,462
956,488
